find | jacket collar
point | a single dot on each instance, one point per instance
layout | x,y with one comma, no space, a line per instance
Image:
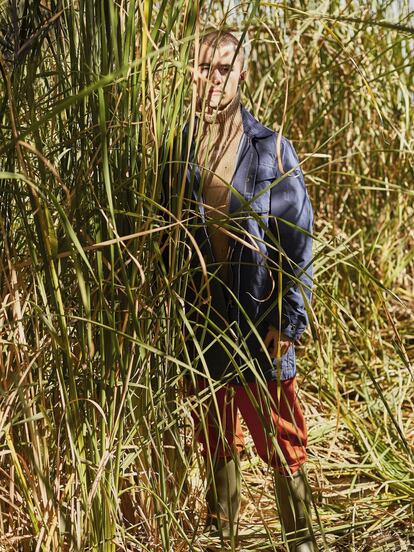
252,127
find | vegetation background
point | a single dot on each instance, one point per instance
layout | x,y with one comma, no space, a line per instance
95,435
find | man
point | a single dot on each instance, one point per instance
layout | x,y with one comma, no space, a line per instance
254,235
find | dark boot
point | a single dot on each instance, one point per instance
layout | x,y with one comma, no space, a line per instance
223,497
295,509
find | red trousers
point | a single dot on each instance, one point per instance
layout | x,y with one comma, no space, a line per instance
276,424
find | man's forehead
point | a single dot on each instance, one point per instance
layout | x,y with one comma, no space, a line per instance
223,53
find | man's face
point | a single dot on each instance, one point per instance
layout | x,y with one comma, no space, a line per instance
215,69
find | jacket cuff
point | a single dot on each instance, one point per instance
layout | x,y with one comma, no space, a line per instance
292,331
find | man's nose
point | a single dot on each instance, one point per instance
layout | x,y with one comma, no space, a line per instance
216,76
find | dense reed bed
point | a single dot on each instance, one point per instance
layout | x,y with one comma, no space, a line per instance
95,434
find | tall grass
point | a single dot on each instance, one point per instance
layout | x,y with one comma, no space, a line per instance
96,440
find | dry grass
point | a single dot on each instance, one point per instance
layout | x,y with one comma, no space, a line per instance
93,451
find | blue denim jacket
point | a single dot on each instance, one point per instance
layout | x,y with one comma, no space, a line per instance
270,265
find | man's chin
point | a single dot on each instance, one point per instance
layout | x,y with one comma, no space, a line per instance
217,104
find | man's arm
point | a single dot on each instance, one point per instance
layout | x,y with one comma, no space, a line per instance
291,220
170,176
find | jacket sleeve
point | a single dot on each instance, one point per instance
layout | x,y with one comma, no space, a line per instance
291,221
172,173
165,201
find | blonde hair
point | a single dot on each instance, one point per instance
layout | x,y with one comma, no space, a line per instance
217,38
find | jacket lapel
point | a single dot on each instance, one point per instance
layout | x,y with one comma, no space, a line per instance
244,177
193,179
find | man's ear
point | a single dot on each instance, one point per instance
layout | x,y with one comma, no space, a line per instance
242,76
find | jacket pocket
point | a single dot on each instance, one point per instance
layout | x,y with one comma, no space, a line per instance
266,172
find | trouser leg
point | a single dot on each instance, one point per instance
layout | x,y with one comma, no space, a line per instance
276,423
216,422
218,428
278,428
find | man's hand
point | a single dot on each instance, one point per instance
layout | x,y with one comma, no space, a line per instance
277,343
